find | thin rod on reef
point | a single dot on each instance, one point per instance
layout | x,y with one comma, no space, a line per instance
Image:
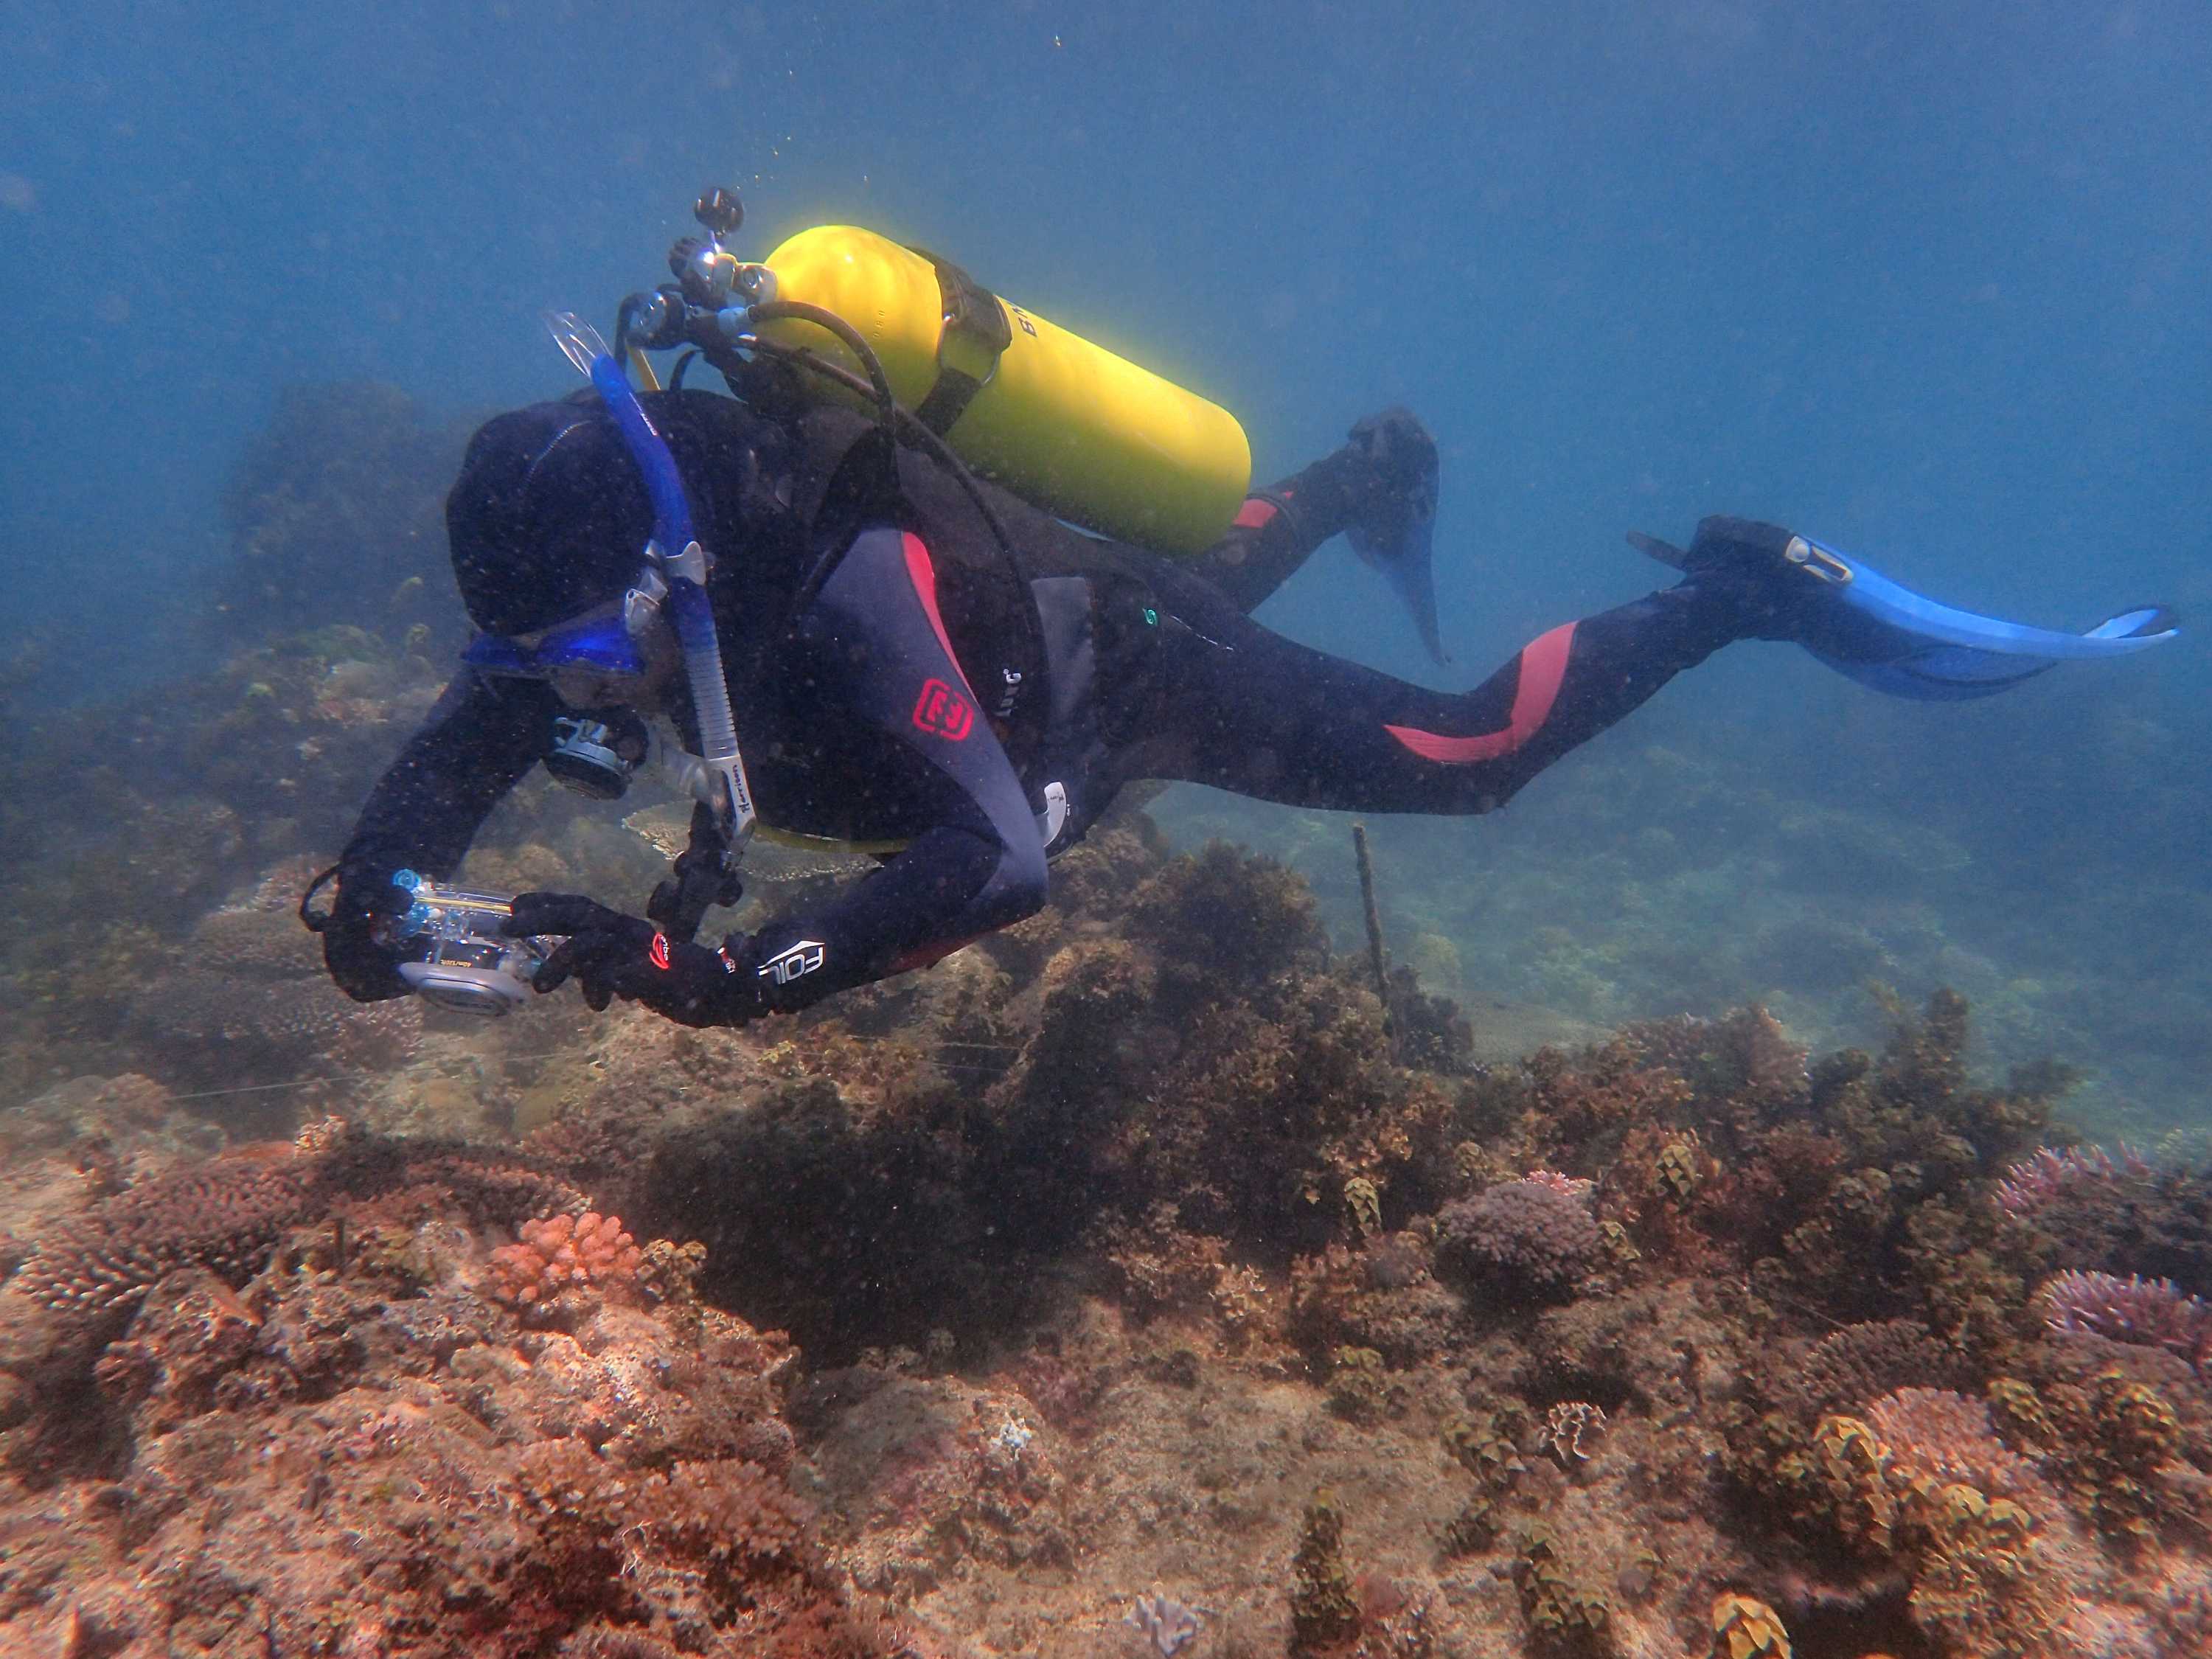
1376,958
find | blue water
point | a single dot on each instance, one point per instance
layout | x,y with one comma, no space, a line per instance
1932,282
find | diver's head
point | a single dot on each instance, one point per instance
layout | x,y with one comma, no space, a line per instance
548,523
548,520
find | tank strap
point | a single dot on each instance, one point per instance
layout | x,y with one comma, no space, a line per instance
976,335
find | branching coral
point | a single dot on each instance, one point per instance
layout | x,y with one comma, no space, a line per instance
1848,1368
2149,1313
561,1253
1935,1437
224,1216
2046,1176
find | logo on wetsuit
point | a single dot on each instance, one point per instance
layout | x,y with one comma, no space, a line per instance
792,961
943,713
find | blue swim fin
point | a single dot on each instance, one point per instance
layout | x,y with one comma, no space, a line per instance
1884,635
1409,567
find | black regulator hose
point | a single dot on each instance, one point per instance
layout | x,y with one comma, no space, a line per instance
771,311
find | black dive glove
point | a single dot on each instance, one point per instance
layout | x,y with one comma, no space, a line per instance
611,955
364,970
1402,472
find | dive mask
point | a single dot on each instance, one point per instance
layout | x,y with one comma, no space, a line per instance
598,656
598,667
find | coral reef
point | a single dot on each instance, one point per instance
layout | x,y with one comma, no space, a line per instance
225,1216
1138,1253
1523,1241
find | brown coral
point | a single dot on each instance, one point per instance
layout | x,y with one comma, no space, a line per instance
224,1216
1848,1368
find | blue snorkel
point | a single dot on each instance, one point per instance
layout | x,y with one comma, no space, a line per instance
676,580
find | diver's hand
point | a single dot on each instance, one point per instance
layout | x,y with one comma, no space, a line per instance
611,955
361,966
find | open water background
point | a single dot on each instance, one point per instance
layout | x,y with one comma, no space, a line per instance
1928,280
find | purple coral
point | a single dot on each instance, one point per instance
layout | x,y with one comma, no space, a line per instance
1528,1238
2151,1313
1168,1627
2035,1183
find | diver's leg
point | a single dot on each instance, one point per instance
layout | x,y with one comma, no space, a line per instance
1383,478
1225,702
1277,531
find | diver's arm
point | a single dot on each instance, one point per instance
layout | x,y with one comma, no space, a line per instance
979,867
872,643
479,738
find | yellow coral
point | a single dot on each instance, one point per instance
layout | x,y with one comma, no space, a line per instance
1618,1244
1364,1206
1745,1628
1958,1506
2007,1524
2018,1412
1852,1466
1482,1449
2139,1423
1682,1165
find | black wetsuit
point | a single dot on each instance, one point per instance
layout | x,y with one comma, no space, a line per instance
932,689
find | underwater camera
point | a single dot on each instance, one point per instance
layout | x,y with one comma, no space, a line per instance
460,958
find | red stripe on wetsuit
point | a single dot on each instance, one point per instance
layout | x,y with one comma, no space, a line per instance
1543,665
923,574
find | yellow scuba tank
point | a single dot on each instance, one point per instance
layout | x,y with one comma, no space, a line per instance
1064,423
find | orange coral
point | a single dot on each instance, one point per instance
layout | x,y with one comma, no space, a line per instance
558,1253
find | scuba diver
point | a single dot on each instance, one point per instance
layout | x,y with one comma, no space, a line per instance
930,665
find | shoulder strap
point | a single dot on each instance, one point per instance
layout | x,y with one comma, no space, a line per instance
975,336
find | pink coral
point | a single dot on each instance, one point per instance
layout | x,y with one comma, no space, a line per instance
2035,1182
559,1252
1573,1186
2151,1313
1945,1437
